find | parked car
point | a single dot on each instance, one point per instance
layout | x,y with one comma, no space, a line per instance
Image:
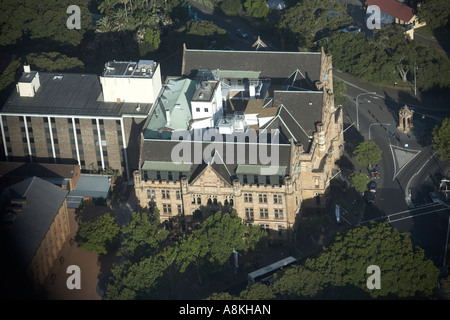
242,33
370,197
434,197
375,174
351,29
372,191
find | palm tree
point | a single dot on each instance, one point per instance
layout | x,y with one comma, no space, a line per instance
106,5
104,25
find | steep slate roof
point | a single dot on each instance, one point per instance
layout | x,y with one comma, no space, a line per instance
272,64
73,94
394,8
43,200
157,150
298,114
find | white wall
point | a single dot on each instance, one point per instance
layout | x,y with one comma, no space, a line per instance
132,89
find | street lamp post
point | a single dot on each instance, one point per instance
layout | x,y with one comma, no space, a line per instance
357,117
415,86
386,124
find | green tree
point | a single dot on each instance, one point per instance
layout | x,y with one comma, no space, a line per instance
222,296
41,20
441,139
434,12
257,8
367,153
298,282
213,243
135,281
359,181
151,42
310,18
53,61
99,235
257,291
10,74
142,236
231,7
405,272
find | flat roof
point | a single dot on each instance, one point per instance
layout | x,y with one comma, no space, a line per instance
131,69
95,186
70,94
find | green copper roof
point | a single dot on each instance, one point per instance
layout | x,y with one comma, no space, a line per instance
166,166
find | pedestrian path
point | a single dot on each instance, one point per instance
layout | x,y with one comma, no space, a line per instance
401,157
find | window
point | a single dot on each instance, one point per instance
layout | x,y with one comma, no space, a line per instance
264,227
167,208
264,213
179,209
248,197
249,213
262,198
256,179
277,198
151,193
165,194
197,109
178,195
316,182
171,177
206,109
278,214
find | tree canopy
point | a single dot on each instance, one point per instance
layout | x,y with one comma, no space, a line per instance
435,13
388,57
367,153
256,8
99,235
359,181
441,139
339,271
53,61
310,18
41,20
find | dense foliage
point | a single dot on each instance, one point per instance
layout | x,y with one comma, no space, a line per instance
389,57
359,181
310,18
339,271
441,139
151,258
99,235
367,153
41,20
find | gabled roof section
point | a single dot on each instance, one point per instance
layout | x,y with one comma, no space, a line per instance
394,8
298,114
213,173
271,64
43,200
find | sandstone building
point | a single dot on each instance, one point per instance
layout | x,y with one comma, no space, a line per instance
255,131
